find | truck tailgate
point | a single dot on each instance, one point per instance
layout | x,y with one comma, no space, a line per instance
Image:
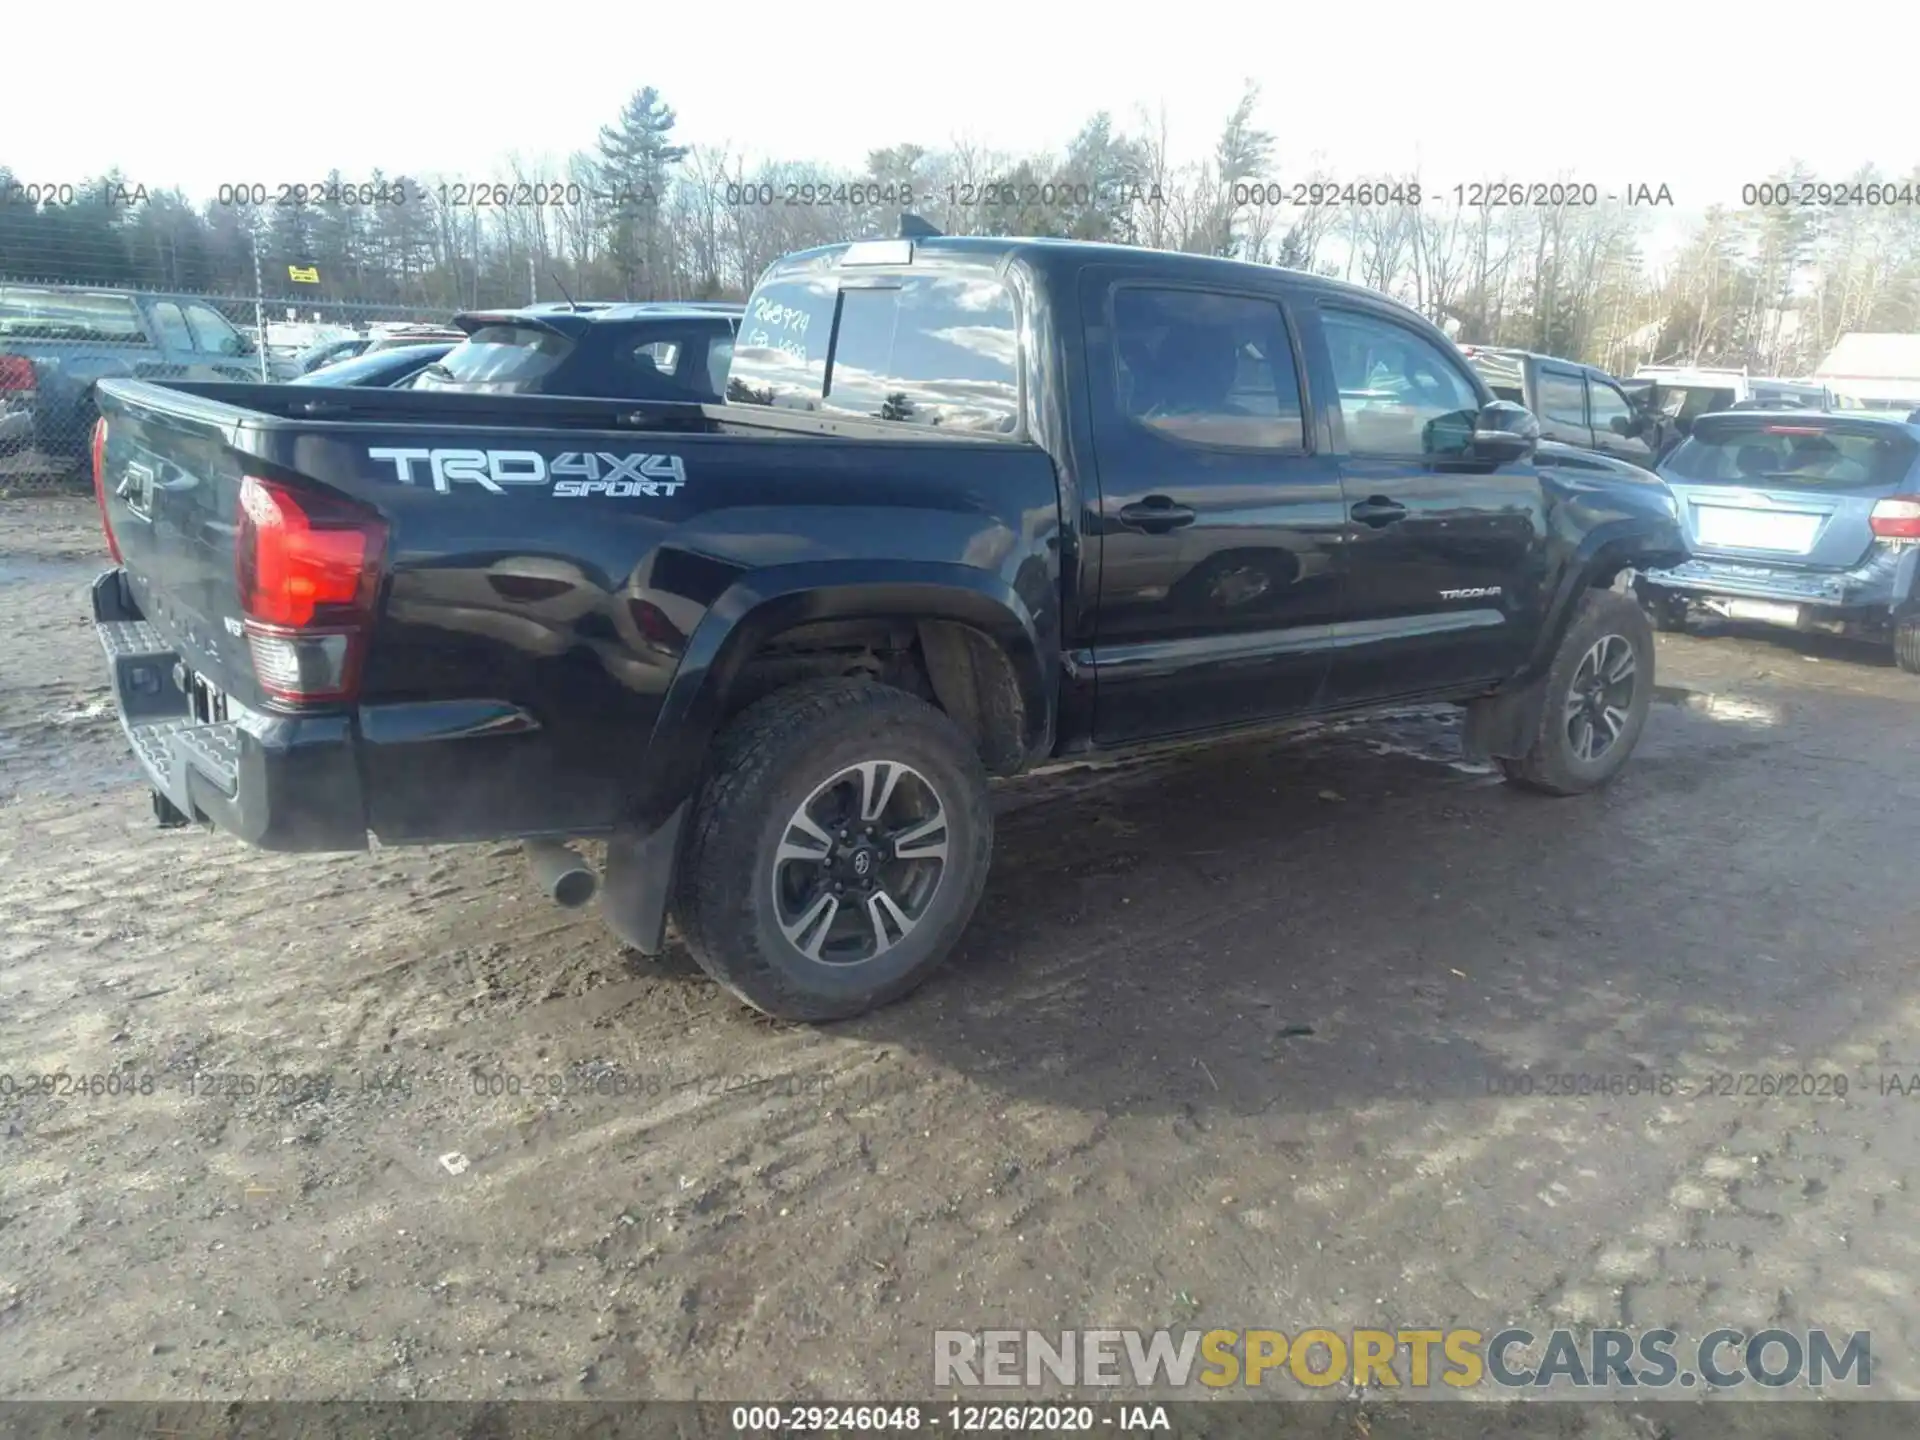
170,493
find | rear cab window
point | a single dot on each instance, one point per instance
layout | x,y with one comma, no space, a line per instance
500,360
938,350
1790,454
30,313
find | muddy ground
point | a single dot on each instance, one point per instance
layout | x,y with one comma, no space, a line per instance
1220,1049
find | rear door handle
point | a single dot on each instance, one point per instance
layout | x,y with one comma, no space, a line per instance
1156,514
1378,510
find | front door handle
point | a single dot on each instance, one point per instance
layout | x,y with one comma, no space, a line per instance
1156,514
1378,510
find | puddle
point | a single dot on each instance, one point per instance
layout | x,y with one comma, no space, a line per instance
1729,709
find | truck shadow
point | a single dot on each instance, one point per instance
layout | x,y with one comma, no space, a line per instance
1356,917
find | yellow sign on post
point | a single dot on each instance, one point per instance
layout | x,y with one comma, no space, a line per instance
304,274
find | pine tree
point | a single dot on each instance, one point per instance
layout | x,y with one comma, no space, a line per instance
636,159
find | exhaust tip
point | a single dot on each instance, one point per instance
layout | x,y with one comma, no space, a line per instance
574,889
569,880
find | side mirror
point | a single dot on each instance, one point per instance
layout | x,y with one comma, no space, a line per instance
1504,431
1627,425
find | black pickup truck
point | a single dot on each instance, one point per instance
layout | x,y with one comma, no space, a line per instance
972,505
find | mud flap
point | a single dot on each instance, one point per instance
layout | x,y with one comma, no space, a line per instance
639,882
1503,725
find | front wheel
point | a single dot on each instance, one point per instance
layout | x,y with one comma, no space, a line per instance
1597,693
838,848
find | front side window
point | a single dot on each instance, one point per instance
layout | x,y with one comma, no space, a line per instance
1608,405
212,335
1401,396
930,350
170,326
1206,368
1562,397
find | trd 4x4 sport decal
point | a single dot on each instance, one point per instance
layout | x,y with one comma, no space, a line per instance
574,475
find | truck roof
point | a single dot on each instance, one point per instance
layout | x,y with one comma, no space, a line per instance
996,252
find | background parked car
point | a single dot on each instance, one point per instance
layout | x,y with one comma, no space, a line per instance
389,368
629,350
55,341
329,352
1575,404
1806,520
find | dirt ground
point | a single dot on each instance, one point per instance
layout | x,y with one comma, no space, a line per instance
1223,1047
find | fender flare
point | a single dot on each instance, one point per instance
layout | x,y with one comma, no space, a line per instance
1631,542
767,602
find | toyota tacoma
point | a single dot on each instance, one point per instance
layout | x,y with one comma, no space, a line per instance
971,506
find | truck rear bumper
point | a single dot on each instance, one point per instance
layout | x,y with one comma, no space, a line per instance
276,781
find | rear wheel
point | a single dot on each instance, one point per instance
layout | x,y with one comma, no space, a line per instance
1597,693
1906,646
837,850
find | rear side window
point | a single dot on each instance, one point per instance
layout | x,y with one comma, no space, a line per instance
68,315
500,359
1792,454
1208,369
929,351
1563,397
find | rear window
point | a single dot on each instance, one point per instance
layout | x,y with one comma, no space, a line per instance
928,352
920,350
780,355
1791,453
500,359
68,315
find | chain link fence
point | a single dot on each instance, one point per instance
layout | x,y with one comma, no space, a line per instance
57,340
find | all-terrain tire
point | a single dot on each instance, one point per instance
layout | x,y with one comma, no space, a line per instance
1551,764
1906,647
763,768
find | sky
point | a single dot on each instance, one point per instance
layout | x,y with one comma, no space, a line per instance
1684,94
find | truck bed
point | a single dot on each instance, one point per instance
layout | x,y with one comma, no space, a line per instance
558,581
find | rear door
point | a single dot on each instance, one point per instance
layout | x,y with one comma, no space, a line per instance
1796,491
1220,519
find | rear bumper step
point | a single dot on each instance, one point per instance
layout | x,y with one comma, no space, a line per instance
280,782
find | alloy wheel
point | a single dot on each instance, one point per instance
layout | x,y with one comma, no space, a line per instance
859,862
1601,697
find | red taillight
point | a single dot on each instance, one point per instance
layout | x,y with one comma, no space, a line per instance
100,485
309,571
1793,429
16,373
1897,518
